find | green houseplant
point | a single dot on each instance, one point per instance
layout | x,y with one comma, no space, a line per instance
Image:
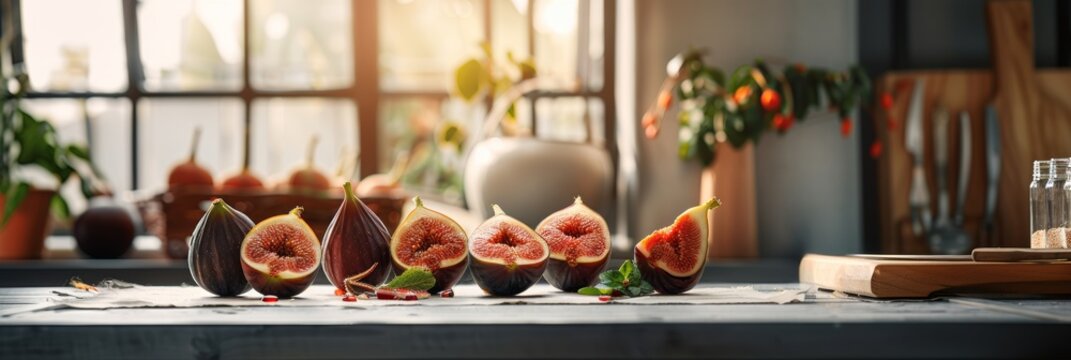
31,145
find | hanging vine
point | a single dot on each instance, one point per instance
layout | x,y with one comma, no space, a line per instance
753,99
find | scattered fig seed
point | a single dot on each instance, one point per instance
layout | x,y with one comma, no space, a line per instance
448,293
340,292
410,297
270,298
349,298
605,298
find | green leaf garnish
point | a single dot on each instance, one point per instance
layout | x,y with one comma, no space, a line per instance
413,279
626,280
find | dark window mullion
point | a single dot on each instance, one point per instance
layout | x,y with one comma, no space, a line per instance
247,94
134,83
366,81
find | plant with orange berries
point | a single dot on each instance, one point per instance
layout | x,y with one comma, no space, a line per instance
737,109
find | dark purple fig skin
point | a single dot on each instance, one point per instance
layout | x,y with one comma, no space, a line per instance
664,282
355,239
445,278
215,257
502,280
571,278
274,285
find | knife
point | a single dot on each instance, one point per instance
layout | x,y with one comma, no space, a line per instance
919,197
964,166
992,152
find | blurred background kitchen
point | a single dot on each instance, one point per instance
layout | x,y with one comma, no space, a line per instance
407,89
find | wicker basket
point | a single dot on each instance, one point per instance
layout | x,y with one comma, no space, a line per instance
172,216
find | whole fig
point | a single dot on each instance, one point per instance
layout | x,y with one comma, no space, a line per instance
355,240
215,250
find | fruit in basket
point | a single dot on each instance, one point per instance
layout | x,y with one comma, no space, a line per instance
215,257
672,258
388,184
188,175
508,257
355,241
280,255
309,179
579,242
104,231
243,181
430,240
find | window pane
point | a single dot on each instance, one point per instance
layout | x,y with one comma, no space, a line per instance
301,45
418,126
165,127
563,119
509,28
555,23
595,46
282,128
109,137
421,42
78,48
191,44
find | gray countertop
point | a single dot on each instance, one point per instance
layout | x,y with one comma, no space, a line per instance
824,327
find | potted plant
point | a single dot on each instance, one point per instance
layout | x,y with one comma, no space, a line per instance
31,150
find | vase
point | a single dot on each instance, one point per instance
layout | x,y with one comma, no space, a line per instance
733,226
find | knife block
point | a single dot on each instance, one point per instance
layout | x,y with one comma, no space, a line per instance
1035,123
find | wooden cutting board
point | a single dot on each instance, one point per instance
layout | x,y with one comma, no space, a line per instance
918,278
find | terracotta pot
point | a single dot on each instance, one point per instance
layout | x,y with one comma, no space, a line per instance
24,235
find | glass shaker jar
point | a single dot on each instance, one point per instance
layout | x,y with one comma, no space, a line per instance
1059,204
1039,205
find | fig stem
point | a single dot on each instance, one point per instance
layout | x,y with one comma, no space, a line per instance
419,203
713,203
311,152
577,201
497,209
193,144
348,188
297,211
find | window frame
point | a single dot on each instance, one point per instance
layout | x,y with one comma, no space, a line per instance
364,89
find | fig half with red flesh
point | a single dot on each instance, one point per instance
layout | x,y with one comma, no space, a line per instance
433,241
280,255
579,242
508,257
355,240
672,258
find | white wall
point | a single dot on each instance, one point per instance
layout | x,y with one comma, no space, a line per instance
808,184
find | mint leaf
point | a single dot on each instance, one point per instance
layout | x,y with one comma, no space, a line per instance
626,269
626,280
594,290
413,279
612,276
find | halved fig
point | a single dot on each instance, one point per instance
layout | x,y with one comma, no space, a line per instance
215,257
579,242
355,241
430,240
280,255
508,257
672,258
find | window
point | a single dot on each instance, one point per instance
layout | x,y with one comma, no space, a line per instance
133,77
